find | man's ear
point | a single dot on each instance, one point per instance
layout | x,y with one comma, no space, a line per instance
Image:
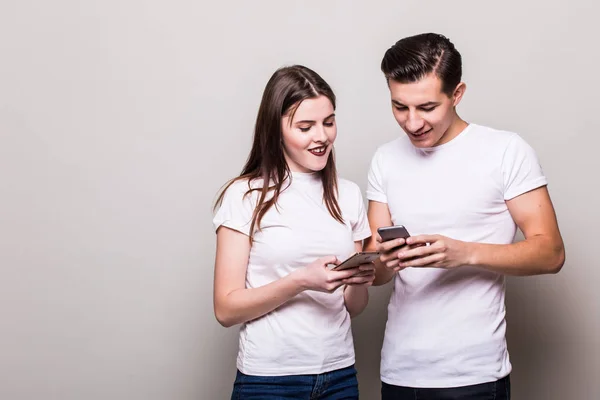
458,93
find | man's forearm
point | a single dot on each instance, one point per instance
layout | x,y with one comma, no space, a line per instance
533,256
382,274
355,299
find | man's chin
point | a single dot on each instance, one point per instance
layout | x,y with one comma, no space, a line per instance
422,144
423,140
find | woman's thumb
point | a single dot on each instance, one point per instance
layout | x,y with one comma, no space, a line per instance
330,260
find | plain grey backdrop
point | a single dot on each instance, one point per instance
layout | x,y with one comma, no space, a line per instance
120,120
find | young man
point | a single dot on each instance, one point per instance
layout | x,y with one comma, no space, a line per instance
461,190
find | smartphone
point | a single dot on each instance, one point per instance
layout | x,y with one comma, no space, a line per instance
363,257
393,232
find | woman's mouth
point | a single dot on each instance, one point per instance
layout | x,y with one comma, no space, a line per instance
318,151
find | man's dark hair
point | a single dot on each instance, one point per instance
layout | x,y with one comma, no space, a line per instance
414,57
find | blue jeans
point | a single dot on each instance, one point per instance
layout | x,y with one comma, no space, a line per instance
335,385
497,390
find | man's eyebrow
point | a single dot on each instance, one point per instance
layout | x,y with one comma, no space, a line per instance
428,104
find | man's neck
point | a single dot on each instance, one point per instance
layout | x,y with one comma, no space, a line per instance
455,129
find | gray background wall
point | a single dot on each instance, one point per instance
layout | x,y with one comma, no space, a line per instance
119,121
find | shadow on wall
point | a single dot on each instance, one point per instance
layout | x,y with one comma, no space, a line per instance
546,342
368,329
542,340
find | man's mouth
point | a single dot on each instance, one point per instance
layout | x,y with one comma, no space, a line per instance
421,134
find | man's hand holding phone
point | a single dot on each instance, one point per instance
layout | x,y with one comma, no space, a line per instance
400,250
389,252
435,251
390,240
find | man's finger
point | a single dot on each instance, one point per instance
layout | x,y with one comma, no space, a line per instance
422,262
391,244
421,251
421,239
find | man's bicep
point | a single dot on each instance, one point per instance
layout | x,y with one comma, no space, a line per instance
378,215
534,214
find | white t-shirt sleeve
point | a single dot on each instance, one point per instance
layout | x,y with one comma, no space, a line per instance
360,227
375,186
236,209
521,170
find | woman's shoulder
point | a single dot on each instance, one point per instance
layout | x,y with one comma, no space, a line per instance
347,184
242,186
348,188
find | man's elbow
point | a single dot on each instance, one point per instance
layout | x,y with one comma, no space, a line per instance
352,313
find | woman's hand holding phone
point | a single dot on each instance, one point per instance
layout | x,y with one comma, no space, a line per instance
366,269
319,277
364,277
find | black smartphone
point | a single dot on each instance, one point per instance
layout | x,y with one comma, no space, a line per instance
393,232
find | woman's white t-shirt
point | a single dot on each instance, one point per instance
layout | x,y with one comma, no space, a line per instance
309,334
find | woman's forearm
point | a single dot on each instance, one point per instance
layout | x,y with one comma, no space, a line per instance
243,305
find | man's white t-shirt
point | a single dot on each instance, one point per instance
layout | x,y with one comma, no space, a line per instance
446,328
310,334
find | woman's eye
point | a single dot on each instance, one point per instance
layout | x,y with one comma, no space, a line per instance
400,108
304,128
328,123
428,109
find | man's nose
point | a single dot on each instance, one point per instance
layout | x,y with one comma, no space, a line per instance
414,123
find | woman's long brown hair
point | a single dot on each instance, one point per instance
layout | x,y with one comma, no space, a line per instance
284,92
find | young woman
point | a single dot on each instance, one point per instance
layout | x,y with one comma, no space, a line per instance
281,226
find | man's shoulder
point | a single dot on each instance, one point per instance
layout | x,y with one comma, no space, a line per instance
503,143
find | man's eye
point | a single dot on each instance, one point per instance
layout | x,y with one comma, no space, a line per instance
428,109
400,108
